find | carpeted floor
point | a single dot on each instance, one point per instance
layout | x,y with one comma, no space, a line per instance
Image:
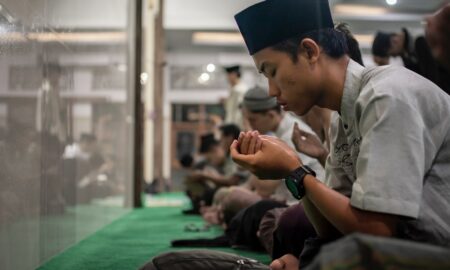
132,240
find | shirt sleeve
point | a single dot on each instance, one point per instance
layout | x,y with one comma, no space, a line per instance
390,166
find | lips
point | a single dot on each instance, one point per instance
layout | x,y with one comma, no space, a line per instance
281,103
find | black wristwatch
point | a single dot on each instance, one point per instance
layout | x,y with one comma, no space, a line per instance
294,181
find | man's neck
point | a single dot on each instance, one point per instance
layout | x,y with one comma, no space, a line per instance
333,83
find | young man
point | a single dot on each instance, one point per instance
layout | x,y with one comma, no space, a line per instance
238,88
388,173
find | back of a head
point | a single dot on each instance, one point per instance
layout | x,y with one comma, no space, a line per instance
381,44
230,130
354,52
207,141
186,160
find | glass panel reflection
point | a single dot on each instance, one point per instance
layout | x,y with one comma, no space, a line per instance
63,134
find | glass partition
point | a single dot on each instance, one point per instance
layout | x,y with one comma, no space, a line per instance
64,124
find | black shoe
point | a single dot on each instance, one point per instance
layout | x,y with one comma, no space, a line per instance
191,212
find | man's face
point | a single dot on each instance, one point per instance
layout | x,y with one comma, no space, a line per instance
262,122
295,85
232,78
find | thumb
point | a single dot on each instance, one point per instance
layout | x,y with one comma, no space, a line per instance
277,265
236,156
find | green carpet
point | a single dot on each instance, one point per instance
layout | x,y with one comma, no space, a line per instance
134,239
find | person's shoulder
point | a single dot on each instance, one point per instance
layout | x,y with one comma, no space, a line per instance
399,83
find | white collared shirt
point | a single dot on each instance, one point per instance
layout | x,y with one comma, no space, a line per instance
233,113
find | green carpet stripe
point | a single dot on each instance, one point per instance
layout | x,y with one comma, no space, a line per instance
132,240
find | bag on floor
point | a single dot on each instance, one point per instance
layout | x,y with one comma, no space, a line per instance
202,260
359,251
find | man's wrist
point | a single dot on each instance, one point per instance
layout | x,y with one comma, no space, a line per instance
307,181
295,164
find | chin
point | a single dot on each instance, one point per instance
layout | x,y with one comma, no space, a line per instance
301,112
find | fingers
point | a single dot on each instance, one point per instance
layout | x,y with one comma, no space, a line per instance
237,157
234,149
253,141
286,262
258,145
277,264
247,142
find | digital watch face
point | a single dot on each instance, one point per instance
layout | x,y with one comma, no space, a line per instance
292,187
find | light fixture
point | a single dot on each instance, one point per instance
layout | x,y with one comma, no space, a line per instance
210,68
204,78
350,9
217,38
391,2
80,37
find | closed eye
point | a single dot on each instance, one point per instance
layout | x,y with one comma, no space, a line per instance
274,72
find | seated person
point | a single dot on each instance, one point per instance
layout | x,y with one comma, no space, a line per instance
387,172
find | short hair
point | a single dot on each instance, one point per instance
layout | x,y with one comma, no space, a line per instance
335,43
186,160
230,130
381,44
207,142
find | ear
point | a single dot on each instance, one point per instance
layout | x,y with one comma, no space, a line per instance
310,49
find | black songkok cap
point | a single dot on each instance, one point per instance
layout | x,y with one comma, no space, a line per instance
235,68
272,21
381,44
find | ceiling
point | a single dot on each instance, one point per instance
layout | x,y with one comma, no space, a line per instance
183,18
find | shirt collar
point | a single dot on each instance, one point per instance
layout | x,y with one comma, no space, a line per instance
352,87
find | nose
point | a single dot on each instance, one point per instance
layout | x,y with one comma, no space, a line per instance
273,89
